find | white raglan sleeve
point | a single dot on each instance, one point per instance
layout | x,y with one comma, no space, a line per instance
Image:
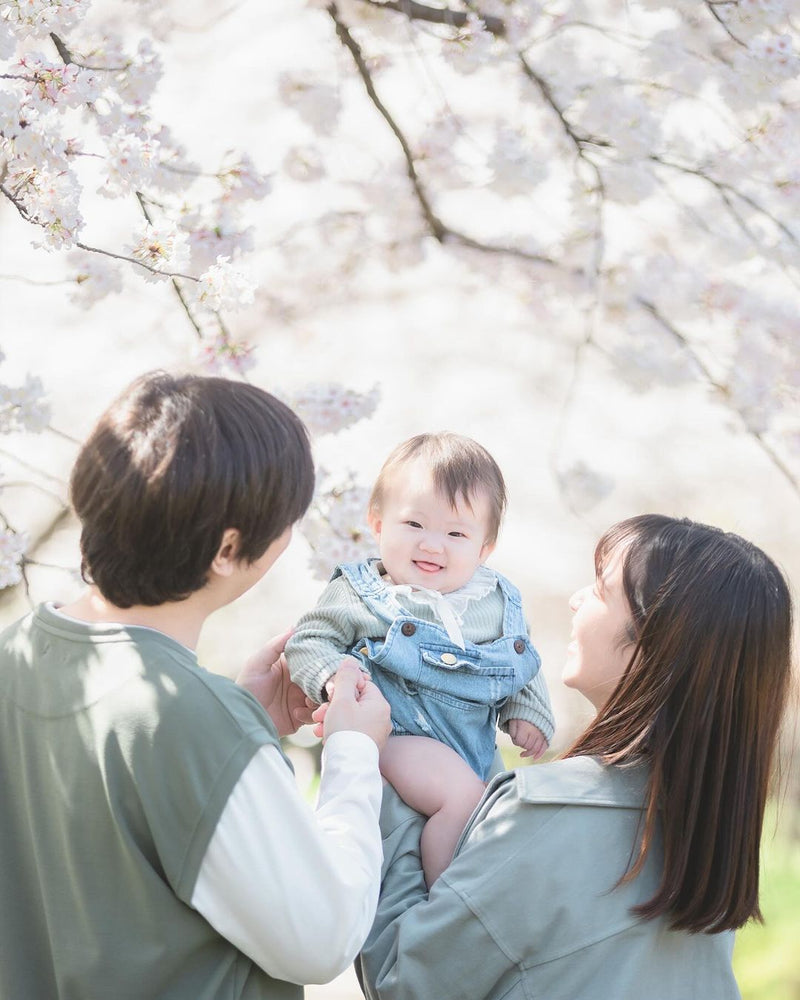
292,887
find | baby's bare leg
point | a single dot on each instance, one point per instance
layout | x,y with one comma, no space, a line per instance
434,780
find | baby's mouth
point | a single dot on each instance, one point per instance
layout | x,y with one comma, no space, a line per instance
427,567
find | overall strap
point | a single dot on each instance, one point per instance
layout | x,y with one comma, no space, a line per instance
365,580
513,617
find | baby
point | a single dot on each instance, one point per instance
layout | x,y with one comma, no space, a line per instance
442,636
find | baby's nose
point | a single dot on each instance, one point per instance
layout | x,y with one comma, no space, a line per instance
431,542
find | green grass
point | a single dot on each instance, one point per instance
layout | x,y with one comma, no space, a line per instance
767,958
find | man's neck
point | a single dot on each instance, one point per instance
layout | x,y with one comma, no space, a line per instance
180,620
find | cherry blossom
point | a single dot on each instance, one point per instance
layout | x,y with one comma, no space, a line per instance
336,525
327,408
161,249
12,551
630,170
224,287
23,408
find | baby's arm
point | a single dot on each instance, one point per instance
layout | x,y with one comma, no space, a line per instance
432,778
531,707
528,737
323,636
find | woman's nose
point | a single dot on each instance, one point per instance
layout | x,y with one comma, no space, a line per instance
577,599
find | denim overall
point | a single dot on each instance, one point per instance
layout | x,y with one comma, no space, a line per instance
434,687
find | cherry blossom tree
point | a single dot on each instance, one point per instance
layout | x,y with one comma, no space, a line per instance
631,170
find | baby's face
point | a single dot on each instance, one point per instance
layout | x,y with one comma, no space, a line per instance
423,540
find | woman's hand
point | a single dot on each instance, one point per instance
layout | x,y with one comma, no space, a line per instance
266,676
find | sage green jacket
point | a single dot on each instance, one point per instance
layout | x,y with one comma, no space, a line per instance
529,909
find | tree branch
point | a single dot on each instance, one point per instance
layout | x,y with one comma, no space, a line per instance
415,11
722,389
435,225
68,59
439,230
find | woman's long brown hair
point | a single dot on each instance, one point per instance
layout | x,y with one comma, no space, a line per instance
701,703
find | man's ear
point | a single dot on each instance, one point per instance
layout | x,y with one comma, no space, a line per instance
374,521
227,557
486,550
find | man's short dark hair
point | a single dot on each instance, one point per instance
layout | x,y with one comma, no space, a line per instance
172,464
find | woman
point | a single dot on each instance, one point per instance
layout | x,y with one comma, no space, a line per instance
622,870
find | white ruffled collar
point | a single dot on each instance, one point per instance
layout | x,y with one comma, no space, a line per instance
449,608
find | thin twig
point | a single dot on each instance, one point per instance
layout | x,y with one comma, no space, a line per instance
722,389
63,435
26,484
710,8
25,280
133,260
29,217
175,286
723,187
32,468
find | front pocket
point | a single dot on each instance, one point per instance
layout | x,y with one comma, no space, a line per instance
465,678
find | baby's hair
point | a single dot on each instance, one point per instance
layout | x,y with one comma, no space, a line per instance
460,468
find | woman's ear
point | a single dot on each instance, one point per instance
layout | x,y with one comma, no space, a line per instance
227,557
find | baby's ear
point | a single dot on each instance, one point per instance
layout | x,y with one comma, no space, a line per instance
486,550
374,521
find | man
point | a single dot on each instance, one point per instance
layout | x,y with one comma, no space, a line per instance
153,842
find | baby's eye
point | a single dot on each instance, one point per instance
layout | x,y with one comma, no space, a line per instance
457,534
413,524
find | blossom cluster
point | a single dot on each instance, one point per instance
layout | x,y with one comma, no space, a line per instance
638,164
336,524
23,407
75,98
12,551
646,152
327,407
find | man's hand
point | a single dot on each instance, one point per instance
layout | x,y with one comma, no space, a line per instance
356,704
525,735
266,676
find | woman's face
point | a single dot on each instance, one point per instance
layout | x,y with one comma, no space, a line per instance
600,649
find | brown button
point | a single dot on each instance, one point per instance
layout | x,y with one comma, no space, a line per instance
408,628
519,646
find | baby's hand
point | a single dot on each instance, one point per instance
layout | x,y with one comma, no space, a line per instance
330,683
525,735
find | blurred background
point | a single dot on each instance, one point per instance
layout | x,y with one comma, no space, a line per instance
591,416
